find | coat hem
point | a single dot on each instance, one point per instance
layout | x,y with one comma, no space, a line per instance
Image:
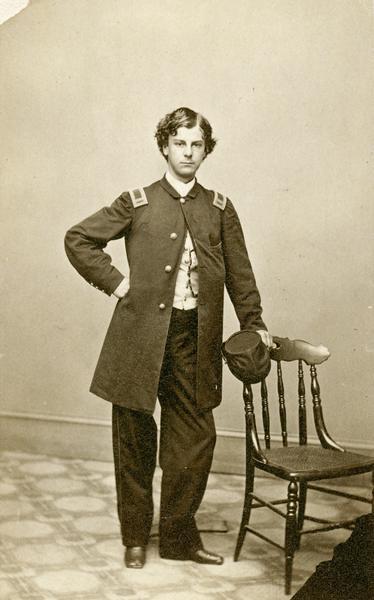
97,391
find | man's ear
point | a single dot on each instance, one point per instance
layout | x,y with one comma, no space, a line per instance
165,151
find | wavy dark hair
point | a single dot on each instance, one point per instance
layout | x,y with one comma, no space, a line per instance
183,117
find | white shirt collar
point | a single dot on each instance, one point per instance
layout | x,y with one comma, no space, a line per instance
182,188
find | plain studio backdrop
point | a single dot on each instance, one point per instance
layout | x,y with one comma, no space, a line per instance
288,88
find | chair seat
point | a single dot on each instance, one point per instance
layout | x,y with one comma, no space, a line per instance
313,462
303,466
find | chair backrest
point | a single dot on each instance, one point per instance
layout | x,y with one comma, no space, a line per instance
290,350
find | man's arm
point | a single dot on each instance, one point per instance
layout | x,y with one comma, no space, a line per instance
240,280
85,243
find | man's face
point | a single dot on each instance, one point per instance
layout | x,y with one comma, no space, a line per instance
185,152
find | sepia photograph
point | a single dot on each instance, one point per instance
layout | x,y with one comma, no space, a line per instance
186,361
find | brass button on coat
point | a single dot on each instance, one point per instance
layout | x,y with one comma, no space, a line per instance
148,254
182,200
173,236
168,268
161,306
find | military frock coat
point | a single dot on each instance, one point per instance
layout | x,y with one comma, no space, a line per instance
129,365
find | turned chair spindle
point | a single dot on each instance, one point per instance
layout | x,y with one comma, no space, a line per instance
301,463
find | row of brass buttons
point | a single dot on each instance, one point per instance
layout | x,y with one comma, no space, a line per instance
168,268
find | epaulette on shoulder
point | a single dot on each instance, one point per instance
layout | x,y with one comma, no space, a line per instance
138,197
219,201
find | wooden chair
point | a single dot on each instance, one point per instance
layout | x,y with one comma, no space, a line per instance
299,464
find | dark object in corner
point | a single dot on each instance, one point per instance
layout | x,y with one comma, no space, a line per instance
349,575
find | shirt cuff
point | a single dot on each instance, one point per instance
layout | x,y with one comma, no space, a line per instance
121,290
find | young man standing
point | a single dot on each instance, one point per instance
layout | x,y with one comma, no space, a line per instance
184,243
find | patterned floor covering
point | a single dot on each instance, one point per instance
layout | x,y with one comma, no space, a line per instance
59,538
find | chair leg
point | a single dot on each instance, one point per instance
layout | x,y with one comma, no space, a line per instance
249,480
291,533
301,512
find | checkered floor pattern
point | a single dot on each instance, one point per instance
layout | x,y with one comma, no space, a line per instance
59,538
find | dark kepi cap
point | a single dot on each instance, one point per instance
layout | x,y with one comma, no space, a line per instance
247,356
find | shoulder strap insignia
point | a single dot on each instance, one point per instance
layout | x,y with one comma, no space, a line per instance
138,197
219,200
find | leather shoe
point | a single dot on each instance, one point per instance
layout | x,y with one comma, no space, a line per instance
204,557
200,555
135,557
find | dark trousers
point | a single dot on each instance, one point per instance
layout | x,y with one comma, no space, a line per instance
187,441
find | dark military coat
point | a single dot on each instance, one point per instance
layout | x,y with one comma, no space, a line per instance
129,365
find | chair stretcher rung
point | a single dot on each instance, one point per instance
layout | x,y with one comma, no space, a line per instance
318,520
273,503
320,488
327,521
332,526
269,505
264,537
